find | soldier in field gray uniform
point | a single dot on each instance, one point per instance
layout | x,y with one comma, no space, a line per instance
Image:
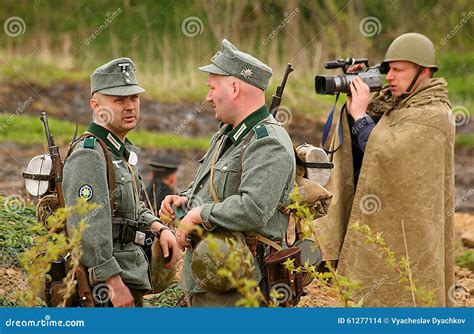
246,176
110,244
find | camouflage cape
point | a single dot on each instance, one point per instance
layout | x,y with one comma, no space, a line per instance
405,192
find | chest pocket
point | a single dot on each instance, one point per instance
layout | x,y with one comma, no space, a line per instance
124,193
226,177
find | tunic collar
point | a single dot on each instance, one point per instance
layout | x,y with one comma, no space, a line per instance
247,124
112,141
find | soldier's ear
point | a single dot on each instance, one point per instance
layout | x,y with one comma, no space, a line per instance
94,103
235,88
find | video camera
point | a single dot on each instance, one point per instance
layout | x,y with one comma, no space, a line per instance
329,84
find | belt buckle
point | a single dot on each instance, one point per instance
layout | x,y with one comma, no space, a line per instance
140,238
149,241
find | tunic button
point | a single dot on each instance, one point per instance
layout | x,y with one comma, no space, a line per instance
225,168
122,179
200,186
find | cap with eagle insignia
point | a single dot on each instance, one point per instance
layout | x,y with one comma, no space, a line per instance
116,78
232,61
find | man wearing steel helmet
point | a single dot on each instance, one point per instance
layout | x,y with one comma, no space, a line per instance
400,162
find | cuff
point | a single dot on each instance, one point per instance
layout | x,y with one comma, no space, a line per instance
149,218
105,270
361,123
205,215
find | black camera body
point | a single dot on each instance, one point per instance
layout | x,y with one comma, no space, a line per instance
372,76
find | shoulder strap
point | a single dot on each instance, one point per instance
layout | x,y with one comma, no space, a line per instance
108,159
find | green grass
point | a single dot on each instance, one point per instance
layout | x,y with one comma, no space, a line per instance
167,298
28,130
18,226
465,140
466,259
53,46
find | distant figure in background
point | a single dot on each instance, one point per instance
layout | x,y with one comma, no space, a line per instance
164,170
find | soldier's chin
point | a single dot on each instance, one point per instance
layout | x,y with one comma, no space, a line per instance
130,125
395,92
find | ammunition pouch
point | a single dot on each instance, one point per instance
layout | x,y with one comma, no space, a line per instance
54,286
287,284
126,230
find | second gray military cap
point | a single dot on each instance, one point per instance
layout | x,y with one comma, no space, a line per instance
231,61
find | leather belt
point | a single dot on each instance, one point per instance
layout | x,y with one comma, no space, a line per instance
126,230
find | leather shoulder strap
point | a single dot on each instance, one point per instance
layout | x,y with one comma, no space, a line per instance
110,167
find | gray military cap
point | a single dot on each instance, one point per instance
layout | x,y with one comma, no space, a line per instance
117,78
231,61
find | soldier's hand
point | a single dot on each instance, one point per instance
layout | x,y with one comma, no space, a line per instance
119,294
358,103
355,68
166,212
169,247
187,225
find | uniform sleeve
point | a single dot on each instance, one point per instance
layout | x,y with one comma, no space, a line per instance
265,171
145,214
86,168
362,128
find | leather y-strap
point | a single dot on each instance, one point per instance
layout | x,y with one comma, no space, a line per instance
259,237
213,162
265,240
110,167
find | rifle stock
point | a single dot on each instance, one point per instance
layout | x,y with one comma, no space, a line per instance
84,290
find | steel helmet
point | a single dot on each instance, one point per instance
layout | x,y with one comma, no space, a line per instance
211,254
413,47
